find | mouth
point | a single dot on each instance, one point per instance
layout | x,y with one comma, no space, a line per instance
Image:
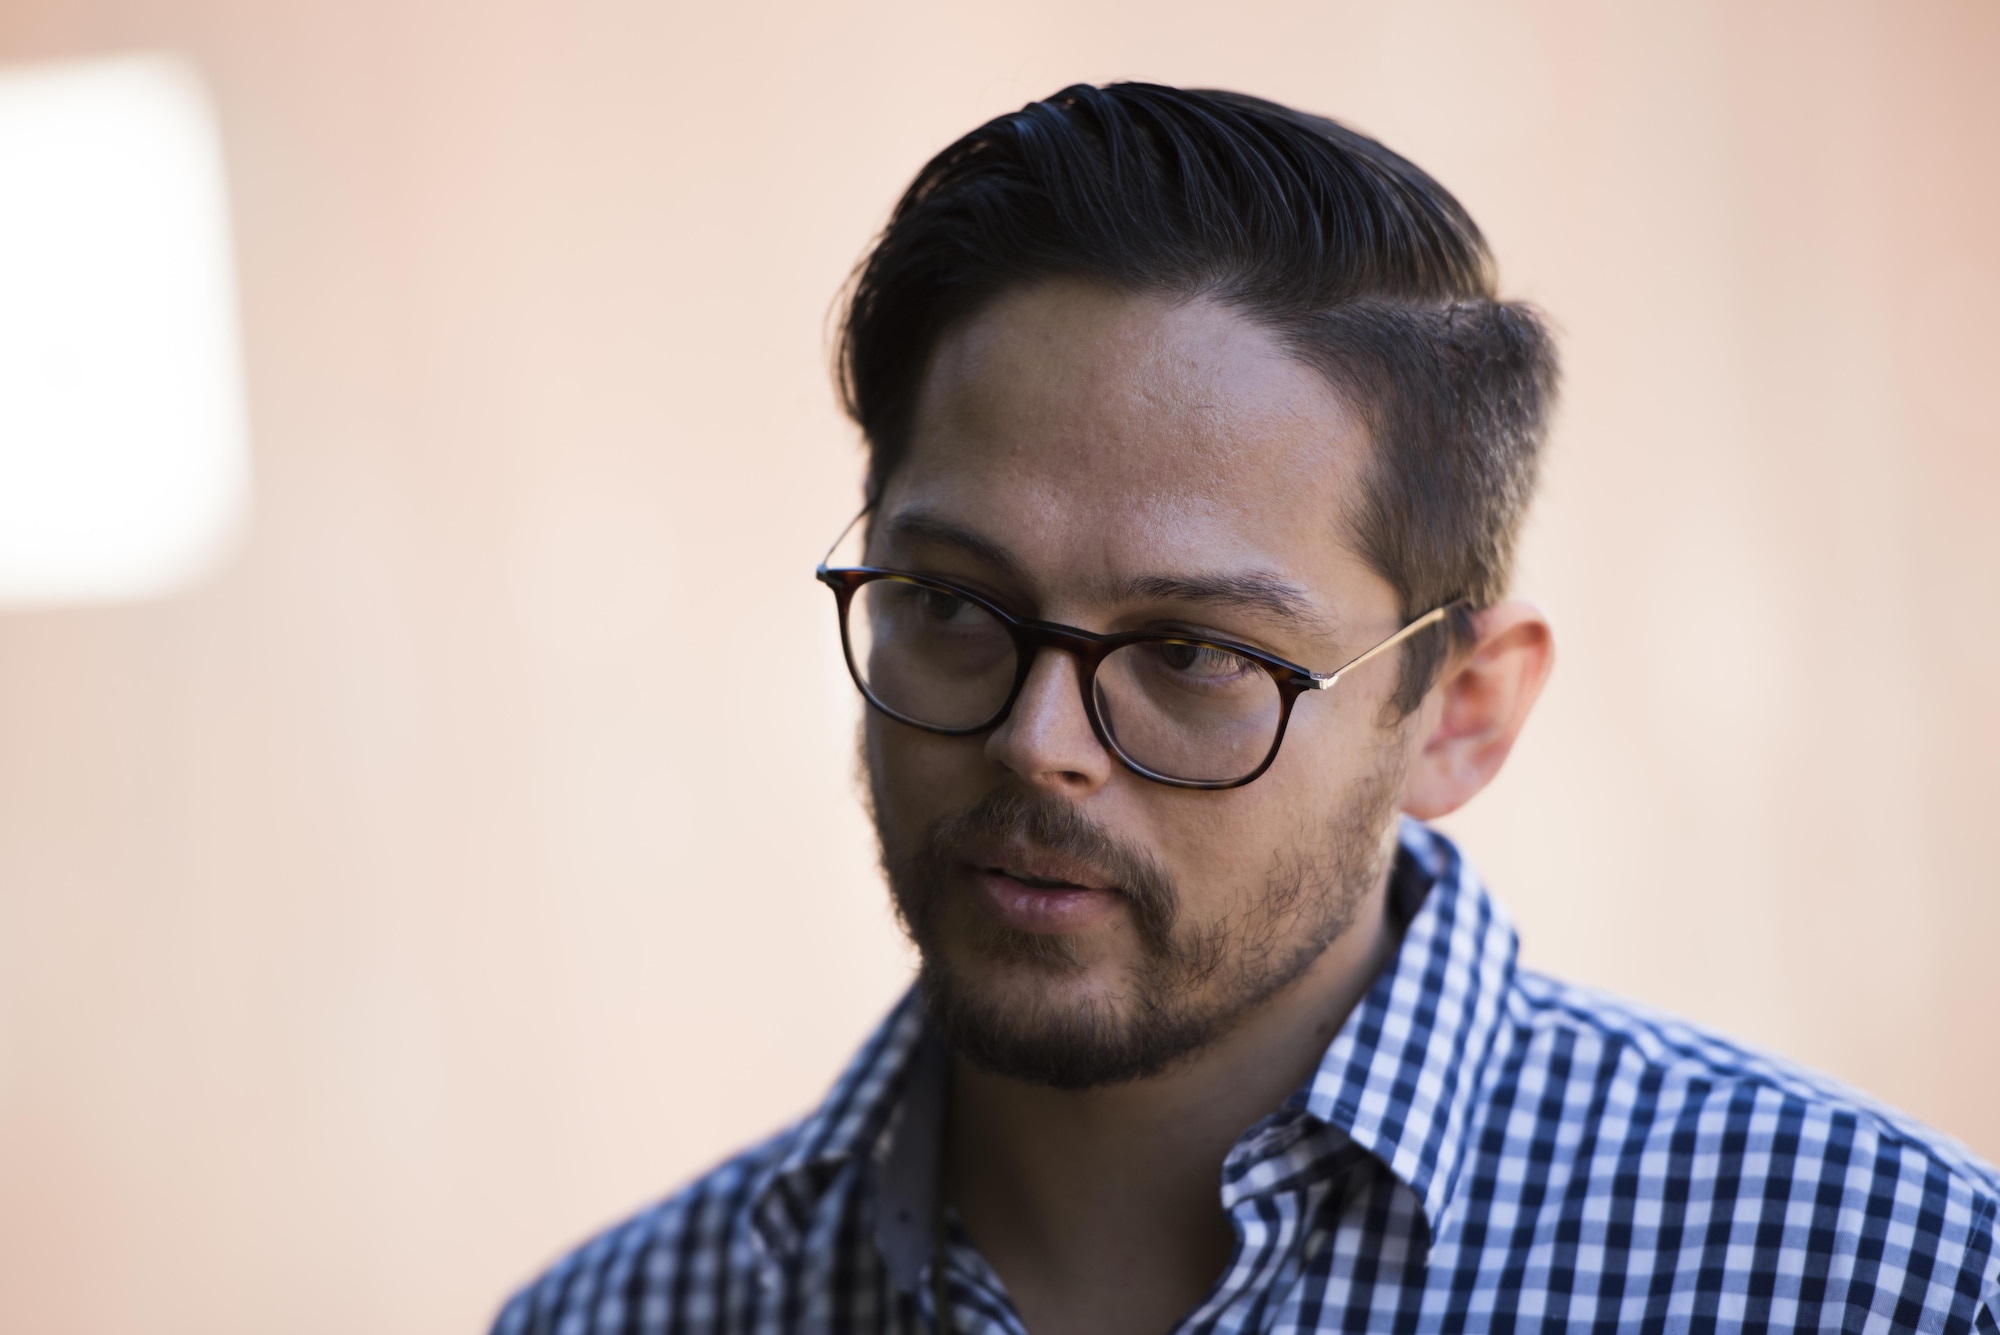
1031,892
1038,882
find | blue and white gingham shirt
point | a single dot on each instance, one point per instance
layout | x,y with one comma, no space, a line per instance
1481,1149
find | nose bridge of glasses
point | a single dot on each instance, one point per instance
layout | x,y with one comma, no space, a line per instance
1084,649
1082,645
1080,648
1047,715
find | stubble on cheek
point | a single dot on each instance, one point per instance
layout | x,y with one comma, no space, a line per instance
1189,982
896,825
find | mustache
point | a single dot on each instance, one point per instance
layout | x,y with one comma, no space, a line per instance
1059,827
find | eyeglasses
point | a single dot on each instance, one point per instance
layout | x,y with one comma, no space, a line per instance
1176,709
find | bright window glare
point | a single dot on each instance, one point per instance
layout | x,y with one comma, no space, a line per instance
123,457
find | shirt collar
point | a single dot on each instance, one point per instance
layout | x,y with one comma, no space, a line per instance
1400,1079
857,1120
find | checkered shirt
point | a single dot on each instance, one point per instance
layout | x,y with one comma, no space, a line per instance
1481,1149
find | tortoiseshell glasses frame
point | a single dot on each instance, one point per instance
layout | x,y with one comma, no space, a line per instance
1030,637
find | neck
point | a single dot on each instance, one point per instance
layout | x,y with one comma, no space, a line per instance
1101,1209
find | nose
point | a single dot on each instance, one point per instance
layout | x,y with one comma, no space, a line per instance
1046,737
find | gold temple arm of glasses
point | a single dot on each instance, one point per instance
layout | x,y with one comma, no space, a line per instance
843,536
1435,614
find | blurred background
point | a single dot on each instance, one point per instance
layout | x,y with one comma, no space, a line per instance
403,884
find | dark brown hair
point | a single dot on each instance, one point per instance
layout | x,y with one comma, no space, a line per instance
1366,267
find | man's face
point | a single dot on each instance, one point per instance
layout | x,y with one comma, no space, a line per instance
1127,463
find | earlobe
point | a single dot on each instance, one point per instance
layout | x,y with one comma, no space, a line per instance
1469,721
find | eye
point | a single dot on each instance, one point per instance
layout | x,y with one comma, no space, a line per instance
937,605
1203,662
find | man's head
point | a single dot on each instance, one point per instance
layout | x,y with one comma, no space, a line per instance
1143,359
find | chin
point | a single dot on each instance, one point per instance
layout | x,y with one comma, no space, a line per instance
1070,1026
1027,985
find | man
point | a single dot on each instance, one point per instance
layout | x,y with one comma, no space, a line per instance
1199,440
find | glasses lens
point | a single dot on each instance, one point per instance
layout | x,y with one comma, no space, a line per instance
1188,710
928,655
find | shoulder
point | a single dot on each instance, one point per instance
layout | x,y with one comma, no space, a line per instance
688,1255
724,1253
699,1261
1657,1119
1673,1066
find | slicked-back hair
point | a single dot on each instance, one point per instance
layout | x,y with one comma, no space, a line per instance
1362,265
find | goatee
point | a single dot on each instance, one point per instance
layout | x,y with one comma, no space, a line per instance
1192,982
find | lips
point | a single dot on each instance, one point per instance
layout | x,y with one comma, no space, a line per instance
1039,882
1041,868
1031,890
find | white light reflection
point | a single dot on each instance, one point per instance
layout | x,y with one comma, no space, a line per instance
123,453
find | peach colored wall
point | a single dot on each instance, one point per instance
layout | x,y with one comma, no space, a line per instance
422,892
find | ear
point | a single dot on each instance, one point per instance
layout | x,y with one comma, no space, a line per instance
1469,720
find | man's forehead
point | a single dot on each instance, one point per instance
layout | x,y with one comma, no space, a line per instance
1144,388
1133,433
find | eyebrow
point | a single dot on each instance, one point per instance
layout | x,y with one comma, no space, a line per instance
1256,590
924,526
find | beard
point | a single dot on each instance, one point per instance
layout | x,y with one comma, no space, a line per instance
1192,982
